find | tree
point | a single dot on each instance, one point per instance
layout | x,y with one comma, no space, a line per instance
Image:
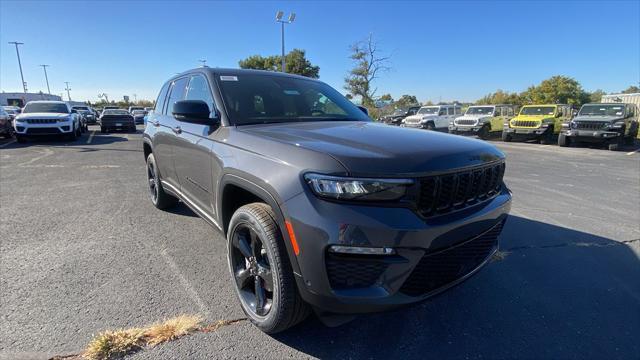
386,97
407,100
501,97
296,63
631,89
367,68
596,96
557,90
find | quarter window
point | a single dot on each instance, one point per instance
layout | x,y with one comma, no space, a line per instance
450,111
161,98
177,93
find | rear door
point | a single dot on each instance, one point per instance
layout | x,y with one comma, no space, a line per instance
167,127
193,151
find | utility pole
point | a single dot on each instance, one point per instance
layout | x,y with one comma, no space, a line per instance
135,98
279,18
24,84
46,77
68,90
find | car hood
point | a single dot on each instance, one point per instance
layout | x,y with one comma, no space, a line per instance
598,118
42,116
373,149
533,117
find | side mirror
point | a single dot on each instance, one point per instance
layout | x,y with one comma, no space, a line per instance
194,111
364,109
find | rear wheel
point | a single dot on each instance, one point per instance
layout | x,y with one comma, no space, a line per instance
261,271
159,197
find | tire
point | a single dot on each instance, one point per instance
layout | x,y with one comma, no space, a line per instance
103,130
483,133
615,146
159,198
506,137
431,126
547,138
73,136
21,139
254,235
563,140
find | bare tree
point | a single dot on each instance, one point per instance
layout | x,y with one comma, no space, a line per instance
369,63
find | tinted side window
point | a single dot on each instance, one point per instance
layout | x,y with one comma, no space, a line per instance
161,97
450,111
176,94
199,90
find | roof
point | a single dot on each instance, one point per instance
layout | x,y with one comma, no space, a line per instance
530,105
48,102
227,71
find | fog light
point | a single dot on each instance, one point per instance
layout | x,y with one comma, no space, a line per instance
359,250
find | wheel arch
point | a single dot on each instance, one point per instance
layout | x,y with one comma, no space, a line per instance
236,190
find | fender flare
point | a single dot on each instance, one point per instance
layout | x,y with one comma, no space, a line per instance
264,191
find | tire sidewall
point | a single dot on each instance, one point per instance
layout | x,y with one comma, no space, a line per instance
244,217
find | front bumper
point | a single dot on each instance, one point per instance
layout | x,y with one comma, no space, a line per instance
24,128
431,255
415,125
464,130
525,133
592,135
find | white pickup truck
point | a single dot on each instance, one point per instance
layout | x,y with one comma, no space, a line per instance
436,117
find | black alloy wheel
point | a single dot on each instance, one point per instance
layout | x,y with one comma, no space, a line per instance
251,269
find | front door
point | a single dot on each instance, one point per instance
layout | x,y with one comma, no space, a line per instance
193,151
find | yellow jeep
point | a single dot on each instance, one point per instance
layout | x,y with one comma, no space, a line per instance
537,122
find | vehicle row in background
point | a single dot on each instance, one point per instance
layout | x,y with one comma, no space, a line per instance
437,117
482,120
398,115
537,122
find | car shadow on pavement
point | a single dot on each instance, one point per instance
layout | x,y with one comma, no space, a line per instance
181,209
558,293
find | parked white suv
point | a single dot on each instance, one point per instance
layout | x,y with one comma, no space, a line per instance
47,118
435,117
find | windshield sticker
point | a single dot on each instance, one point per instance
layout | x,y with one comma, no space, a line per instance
228,78
291,92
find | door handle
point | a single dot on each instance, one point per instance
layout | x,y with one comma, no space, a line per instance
155,123
177,130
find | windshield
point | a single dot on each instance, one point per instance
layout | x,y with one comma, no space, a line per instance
538,110
399,112
428,110
602,110
115,112
480,110
46,108
84,108
263,98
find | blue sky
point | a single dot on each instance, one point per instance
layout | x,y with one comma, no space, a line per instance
440,50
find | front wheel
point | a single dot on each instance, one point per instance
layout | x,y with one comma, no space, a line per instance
430,126
261,271
483,133
547,138
506,137
564,140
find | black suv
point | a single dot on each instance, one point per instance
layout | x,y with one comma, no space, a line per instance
321,207
396,117
612,124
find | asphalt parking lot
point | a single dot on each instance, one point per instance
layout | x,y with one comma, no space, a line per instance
83,250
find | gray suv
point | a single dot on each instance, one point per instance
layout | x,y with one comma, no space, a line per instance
322,208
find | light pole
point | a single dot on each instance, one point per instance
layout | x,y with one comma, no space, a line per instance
44,67
279,18
68,90
24,84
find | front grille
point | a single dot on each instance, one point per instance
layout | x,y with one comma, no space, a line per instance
449,192
42,121
43,131
590,125
352,272
412,121
443,267
525,123
465,122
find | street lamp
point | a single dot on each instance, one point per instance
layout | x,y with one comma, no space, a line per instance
279,18
24,84
68,90
44,67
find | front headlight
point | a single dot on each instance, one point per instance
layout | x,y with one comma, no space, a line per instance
65,119
19,120
617,125
362,189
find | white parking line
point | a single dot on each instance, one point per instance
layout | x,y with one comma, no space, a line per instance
91,137
633,152
8,143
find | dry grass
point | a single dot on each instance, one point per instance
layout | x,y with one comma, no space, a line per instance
500,255
114,344
171,329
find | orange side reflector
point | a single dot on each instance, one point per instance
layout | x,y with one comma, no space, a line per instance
292,237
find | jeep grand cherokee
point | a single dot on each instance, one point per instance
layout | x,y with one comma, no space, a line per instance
322,208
